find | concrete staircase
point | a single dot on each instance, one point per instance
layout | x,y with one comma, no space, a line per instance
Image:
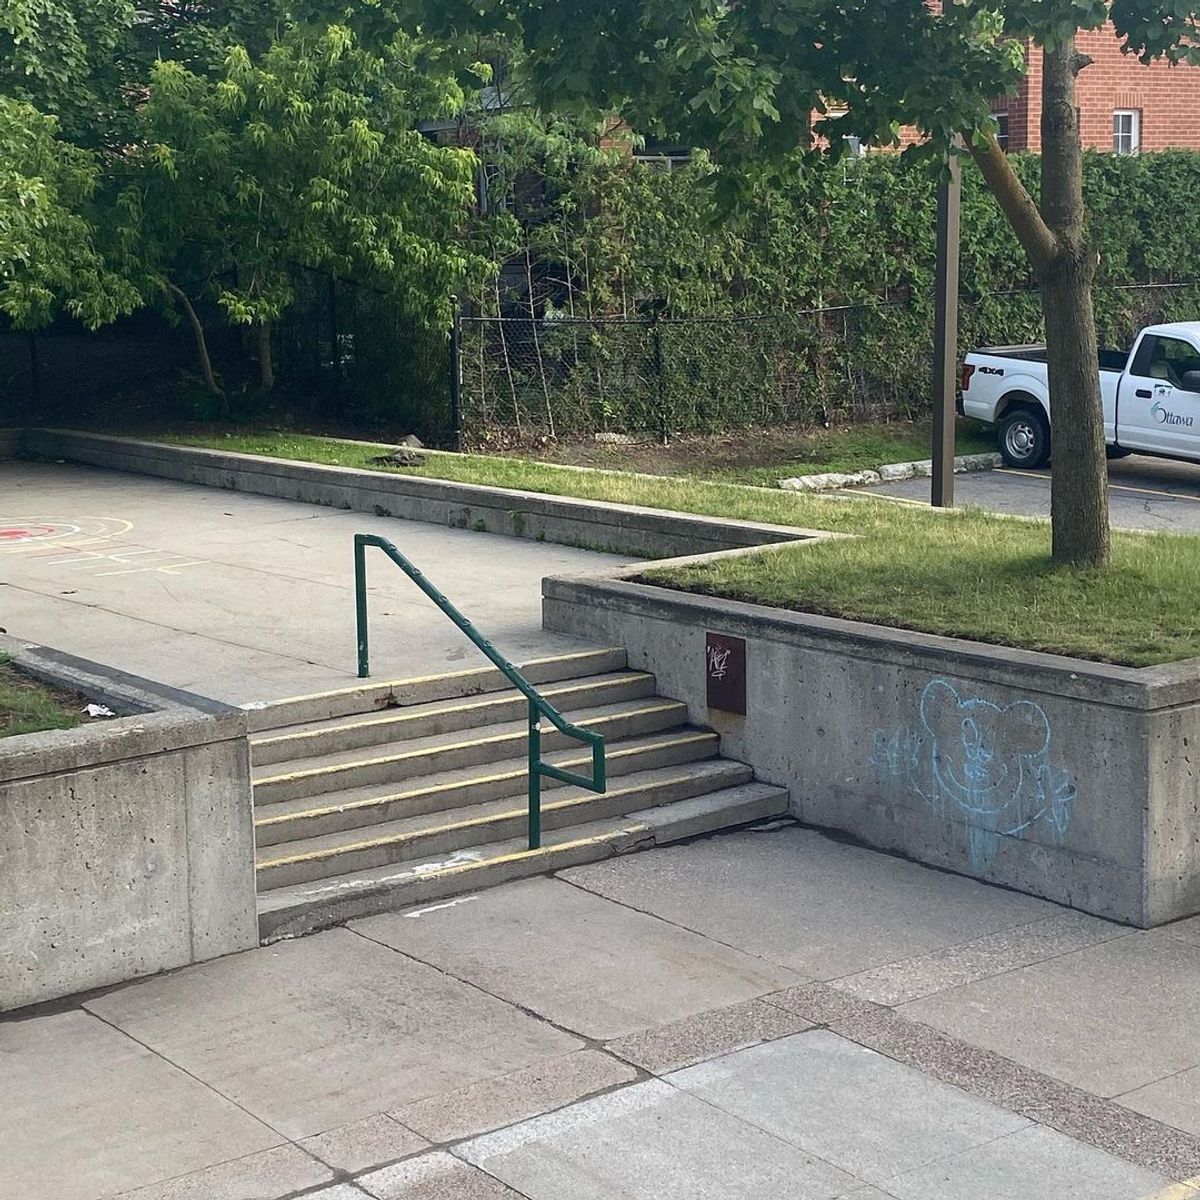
381,796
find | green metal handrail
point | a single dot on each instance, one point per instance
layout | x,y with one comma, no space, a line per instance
539,707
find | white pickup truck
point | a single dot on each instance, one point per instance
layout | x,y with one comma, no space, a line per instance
1151,396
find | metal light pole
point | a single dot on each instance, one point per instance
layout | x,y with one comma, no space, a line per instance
945,335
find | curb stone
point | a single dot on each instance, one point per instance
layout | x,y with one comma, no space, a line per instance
888,473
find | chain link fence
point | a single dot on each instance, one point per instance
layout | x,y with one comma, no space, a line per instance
347,360
522,380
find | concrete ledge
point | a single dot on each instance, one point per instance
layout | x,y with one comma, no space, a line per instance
615,528
128,845
1067,779
888,473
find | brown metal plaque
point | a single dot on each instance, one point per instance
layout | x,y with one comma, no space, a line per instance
725,670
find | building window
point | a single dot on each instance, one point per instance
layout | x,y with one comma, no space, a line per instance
1127,130
1001,119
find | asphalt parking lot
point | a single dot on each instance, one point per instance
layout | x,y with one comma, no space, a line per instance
1144,493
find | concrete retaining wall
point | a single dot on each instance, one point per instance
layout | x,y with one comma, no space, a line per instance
1070,780
127,846
618,529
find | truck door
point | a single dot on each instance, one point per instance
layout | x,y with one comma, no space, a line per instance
1160,398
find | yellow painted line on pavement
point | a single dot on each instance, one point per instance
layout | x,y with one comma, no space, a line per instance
438,678
565,764
399,839
1186,1190
474,704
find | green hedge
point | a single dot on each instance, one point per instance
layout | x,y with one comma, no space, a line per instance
616,239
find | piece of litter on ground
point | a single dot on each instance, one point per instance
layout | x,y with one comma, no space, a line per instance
98,710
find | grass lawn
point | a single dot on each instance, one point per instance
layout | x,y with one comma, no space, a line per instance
762,457
27,706
964,573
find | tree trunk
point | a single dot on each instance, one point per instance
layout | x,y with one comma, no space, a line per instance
1078,468
1064,266
206,370
266,365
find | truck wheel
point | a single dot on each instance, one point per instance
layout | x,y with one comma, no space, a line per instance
1024,438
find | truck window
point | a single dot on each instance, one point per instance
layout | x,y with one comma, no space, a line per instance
1165,358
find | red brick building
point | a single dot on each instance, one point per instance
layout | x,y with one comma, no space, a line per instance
1124,105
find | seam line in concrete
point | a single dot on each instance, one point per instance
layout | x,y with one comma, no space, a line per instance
590,1042
216,1091
1147,1143
800,975
933,956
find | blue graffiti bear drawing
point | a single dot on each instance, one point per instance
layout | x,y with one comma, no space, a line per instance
987,764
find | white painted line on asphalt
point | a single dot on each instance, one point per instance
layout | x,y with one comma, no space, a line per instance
436,907
1115,487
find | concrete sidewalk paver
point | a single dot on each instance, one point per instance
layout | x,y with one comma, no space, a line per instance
926,974
247,598
263,1176
596,968
313,1034
437,1176
850,1106
506,1099
1175,1100
652,1142
88,1113
666,1048
799,898
1109,1018
1034,1164
364,1144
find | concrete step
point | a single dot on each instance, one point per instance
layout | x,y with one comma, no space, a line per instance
355,808
301,908
497,820
430,755
337,734
370,697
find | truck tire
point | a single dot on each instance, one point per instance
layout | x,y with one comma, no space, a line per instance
1024,438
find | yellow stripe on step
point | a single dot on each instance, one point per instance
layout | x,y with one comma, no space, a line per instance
398,797
396,716
400,838
367,685
425,752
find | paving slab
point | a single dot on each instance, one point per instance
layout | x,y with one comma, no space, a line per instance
911,978
707,1035
1175,1100
587,964
365,1144
437,1176
1034,1164
1109,1018
88,1113
247,598
317,1033
494,1102
1188,930
869,1116
263,1176
651,1142
801,899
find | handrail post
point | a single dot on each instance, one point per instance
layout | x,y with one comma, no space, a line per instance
535,776
360,606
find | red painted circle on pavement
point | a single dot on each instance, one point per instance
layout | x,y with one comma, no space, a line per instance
33,532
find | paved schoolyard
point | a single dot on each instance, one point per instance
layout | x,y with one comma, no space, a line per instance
754,1015
246,598
1144,493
